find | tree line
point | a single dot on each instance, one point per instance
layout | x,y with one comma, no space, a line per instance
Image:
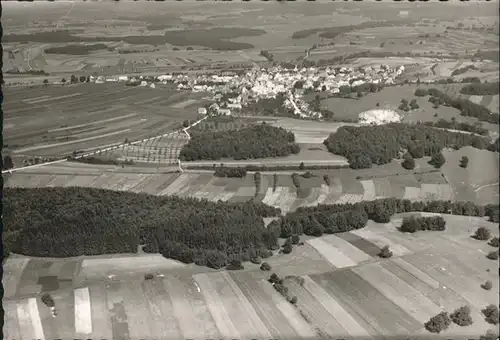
63,222
367,145
481,89
250,142
338,218
461,126
465,106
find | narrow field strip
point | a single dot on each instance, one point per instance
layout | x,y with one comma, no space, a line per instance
274,320
24,316
352,327
398,291
13,269
11,321
83,312
360,243
303,329
101,322
369,188
355,254
92,123
315,313
323,194
176,185
193,315
136,308
118,316
39,147
331,254
219,313
161,311
412,193
381,241
241,311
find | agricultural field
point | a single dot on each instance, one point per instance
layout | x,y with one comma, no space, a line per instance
346,185
55,121
345,287
200,35
390,98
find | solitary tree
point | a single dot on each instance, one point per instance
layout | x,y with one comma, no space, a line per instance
48,300
63,81
265,266
45,82
437,160
461,316
482,234
385,252
8,163
409,162
464,162
438,323
493,255
487,285
494,242
148,276
491,314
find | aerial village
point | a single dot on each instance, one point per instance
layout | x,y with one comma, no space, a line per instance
231,91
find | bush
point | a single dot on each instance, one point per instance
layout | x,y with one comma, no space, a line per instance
494,242
409,162
489,335
437,160
413,224
293,300
287,247
235,265
491,314
256,260
265,266
487,285
385,252
464,161
461,316
438,323
367,145
493,255
326,178
48,300
421,92
149,276
296,180
482,234
295,239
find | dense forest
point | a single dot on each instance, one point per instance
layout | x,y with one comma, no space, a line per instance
337,218
255,141
61,222
367,145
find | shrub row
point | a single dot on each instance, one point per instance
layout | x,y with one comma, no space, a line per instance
413,224
484,89
270,168
234,172
473,128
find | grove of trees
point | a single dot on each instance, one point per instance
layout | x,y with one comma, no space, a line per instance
223,171
367,145
255,141
63,222
338,218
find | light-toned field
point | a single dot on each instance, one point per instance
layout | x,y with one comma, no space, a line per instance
368,299
92,116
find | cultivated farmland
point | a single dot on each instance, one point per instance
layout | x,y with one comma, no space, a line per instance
410,288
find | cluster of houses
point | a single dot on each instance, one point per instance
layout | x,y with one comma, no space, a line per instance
232,91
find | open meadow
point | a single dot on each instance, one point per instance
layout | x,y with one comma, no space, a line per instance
347,291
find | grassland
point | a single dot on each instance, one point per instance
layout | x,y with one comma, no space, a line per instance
339,299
